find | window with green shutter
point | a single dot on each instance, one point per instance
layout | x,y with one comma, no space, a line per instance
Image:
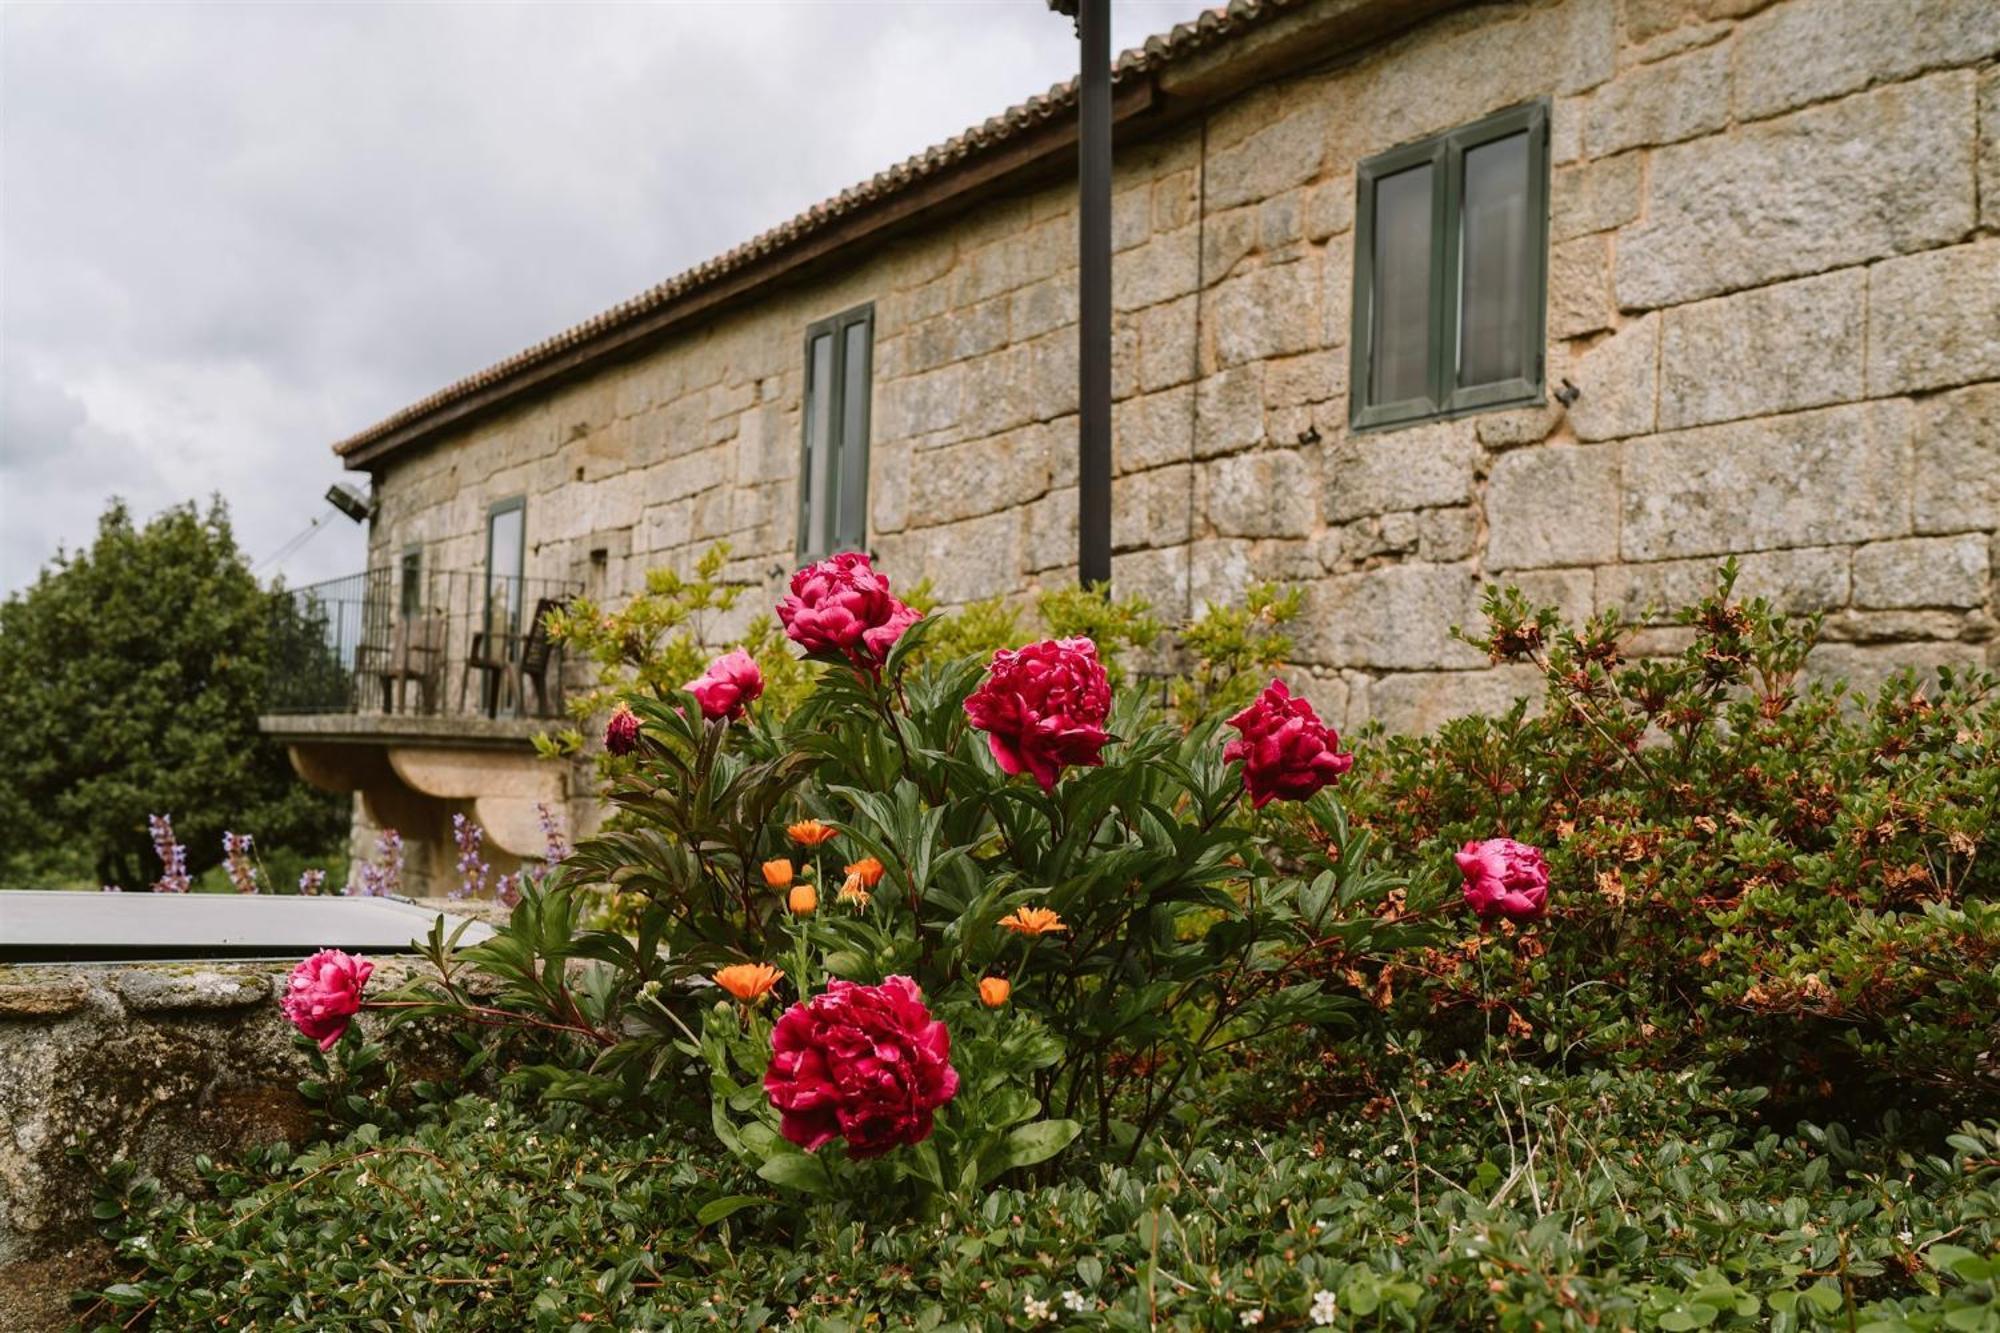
833,460
1451,273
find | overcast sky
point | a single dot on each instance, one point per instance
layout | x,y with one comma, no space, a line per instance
230,234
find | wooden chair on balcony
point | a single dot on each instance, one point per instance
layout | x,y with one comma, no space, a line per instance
539,659
492,656
415,652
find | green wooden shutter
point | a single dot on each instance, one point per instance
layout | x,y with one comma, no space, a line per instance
833,455
1506,285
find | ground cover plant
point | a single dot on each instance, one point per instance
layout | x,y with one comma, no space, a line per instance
923,980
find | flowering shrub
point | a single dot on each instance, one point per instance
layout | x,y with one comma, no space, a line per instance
1046,895
1741,865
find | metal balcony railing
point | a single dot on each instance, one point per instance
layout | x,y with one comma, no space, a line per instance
436,643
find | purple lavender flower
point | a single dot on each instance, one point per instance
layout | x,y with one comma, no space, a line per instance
555,848
236,854
173,857
312,881
382,876
508,890
472,871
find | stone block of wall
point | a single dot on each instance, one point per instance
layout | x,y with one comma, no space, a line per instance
1769,350
1934,319
1420,468
1957,485
1811,50
1810,479
1555,505
1923,572
1872,175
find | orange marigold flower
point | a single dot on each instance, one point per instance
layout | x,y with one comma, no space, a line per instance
803,900
993,991
852,890
869,869
778,873
810,832
748,982
1032,921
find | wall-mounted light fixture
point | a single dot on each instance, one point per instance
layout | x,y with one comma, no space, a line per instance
350,502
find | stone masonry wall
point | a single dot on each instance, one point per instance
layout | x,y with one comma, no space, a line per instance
1774,278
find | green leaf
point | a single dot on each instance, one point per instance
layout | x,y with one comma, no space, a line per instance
797,1171
1031,1144
716,1209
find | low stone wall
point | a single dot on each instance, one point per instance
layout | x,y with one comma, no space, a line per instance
158,1063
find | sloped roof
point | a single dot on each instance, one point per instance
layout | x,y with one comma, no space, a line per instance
1182,44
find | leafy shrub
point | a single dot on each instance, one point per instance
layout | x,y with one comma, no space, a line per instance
1748,868
1481,1197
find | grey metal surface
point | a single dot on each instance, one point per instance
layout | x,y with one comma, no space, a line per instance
125,927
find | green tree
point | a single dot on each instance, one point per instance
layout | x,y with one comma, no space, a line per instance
131,676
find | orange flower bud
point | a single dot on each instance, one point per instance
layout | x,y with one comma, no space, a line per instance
748,982
852,891
804,900
993,991
778,873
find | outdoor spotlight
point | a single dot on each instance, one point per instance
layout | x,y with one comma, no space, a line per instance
349,502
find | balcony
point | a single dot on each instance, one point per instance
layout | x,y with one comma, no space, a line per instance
422,691
453,644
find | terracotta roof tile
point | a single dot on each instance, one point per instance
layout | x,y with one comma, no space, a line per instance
1211,28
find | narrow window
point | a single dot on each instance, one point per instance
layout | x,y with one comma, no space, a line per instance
1450,275
833,465
411,595
506,548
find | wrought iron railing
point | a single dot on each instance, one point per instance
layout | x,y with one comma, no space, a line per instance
436,643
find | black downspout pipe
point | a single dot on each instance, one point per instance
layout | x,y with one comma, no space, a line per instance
1093,425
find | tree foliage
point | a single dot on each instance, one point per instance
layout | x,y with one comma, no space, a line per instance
131,676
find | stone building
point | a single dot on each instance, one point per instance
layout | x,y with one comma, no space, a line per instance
1411,295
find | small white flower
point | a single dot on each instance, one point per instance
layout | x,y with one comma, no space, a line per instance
1392,1150
1035,1309
1355,1153
1323,1308
435,1219
1906,1236
1250,1318
492,1121
1075,1302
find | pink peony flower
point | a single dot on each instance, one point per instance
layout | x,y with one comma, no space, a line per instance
621,732
729,685
1505,878
324,993
841,605
1042,707
1287,752
864,1063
